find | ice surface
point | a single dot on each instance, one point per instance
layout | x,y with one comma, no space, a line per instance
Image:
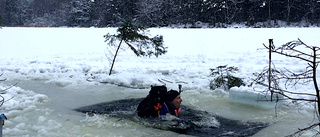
256,99
70,57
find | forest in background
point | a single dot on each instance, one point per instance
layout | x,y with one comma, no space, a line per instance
160,13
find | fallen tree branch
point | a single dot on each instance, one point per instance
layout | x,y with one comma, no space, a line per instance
3,91
305,129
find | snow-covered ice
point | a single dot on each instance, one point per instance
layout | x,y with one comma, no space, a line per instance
69,57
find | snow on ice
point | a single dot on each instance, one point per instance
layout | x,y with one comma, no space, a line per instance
72,56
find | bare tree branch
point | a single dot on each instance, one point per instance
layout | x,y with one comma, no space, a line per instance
304,129
3,91
291,78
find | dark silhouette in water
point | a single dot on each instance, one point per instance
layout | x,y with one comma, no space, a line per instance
191,122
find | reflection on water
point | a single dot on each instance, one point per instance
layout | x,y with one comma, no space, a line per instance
64,99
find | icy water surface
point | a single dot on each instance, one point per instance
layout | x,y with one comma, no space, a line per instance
59,110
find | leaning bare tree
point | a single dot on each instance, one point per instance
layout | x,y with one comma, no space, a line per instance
277,82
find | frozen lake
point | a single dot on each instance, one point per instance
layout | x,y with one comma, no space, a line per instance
54,64
62,101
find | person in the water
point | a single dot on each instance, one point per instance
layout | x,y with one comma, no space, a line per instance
171,104
160,102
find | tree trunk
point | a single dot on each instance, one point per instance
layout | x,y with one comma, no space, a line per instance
114,58
269,77
289,6
314,67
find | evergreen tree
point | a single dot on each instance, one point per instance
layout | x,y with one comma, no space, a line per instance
170,12
80,13
1,22
152,13
224,78
10,14
149,12
101,13
312,11
259,11
137,40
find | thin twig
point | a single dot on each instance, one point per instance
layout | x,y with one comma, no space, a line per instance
3,91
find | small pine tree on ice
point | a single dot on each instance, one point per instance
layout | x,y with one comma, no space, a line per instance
224,78
137,40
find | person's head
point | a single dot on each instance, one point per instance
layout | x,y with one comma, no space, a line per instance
174,97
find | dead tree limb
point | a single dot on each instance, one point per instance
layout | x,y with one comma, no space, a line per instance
290,78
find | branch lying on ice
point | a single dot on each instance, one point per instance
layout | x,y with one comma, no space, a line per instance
305,129
163,81
2,79
282,91
3,91
126,86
